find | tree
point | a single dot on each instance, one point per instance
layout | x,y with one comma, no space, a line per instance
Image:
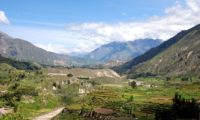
54,84
181,109
185,108
133,84
69,75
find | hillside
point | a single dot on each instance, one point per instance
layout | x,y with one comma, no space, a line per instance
150,53
25,51
179,55
122,51
19,65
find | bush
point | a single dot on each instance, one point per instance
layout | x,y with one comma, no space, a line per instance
168,78
54,84
185,78
165,114
15,94
138,75
181,109
69,75
185,108
133,84
67,93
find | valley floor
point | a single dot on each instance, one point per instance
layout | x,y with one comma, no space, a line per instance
87,94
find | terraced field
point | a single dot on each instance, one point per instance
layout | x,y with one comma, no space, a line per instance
82,92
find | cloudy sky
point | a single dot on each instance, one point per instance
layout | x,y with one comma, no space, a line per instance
65,26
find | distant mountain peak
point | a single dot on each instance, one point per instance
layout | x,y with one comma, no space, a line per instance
122,51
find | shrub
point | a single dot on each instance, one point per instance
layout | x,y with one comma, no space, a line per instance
133,84
69,75
185,79
185,108
138,75
54,84
181,109
165,114
168,78
15,94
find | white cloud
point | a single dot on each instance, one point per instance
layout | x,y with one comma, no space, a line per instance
53,48
194,5
59,48
88,36
176,18
3,18
54,40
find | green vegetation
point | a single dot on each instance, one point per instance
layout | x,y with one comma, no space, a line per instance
30,93
176,57
181,109
148,101
19,65
161,84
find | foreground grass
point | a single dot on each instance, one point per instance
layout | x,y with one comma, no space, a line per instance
31,93
126,101
142,100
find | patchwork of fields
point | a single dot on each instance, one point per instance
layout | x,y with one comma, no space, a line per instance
31,93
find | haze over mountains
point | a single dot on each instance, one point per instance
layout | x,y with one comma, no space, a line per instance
116,51
180,55
176,56
122,51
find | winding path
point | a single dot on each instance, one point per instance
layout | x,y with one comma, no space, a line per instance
50,115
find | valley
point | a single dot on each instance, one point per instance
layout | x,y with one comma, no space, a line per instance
141,91
84,93
102,60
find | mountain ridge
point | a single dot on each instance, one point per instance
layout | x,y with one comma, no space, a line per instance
23,50
163,59
122,51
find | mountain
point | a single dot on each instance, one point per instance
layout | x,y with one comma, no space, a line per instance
25,51
178,56
122,51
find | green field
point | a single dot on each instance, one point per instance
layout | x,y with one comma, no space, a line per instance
30,93
142,100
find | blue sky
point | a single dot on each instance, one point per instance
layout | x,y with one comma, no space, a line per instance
65,26
73,11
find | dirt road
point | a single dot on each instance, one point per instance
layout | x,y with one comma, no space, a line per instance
50,115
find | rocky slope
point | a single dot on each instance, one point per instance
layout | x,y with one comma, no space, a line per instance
25,51
122,51
179,55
